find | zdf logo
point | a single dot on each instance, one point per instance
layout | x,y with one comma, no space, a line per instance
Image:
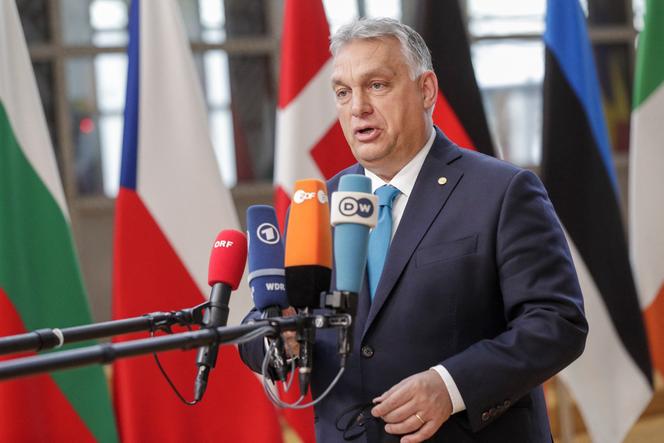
300,196
350,206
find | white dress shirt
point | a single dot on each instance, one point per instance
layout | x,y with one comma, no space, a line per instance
404,181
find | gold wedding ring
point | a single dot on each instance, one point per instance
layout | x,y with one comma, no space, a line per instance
420,419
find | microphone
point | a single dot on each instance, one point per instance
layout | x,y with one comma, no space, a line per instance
353,215
266,274
308,262
227,259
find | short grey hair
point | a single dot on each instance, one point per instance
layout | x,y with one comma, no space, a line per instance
414,49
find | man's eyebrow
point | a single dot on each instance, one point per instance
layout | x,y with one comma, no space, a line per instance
380,71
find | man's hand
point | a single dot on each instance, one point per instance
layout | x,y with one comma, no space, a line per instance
292,346
416,406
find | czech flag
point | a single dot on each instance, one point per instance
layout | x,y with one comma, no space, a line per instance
171,205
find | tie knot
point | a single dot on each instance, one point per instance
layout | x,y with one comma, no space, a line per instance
386,195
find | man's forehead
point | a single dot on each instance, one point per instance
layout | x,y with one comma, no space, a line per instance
373,47
369,57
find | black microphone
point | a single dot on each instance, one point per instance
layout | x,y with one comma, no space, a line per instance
267,276
354,212
227,260
308,263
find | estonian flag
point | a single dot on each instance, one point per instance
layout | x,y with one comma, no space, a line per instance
612,380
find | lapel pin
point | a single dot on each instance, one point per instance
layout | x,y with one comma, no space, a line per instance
442,180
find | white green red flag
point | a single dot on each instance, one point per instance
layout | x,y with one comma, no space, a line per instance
40,279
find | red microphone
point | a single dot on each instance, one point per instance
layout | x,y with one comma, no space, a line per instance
227,260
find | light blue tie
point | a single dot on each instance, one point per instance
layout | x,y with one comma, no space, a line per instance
379,240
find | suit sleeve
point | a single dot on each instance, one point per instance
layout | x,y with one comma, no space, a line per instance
253,352
542,307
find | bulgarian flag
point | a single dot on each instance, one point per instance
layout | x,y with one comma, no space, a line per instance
171,205
646,182
40,280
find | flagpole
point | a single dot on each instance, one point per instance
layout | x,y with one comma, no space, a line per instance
564,409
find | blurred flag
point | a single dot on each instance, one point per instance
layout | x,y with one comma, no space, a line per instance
309,140
612,380
171,205
459,111
40,280
646,180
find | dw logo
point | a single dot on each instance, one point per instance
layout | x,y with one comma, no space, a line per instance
268,233
350,206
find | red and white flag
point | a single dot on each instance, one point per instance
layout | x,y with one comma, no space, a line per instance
309,140
171,205
310,143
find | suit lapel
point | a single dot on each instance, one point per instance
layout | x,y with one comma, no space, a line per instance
424,204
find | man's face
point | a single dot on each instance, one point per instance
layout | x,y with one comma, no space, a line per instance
382,111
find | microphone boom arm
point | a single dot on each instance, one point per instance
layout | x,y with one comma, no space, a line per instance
50,338
109,352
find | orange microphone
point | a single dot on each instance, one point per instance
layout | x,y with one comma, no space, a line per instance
308,255
308,263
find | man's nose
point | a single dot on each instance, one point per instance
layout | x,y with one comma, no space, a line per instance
360,104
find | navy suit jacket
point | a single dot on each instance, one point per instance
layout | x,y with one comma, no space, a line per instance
478,278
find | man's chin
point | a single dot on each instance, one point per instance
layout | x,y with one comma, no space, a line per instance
368,152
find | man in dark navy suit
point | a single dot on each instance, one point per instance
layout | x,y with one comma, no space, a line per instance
473,301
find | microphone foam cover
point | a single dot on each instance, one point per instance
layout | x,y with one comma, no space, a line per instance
308,257
266,258
309,239
227,259
353,215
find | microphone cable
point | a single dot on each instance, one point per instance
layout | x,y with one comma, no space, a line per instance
249,336
274,397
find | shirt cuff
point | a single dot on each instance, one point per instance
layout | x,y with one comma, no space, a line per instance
457,401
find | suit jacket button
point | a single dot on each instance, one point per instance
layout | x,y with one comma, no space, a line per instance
507,404
485,416
367,351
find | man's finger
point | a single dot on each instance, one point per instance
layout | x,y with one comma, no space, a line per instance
391,401
425,432
387,393
291,344
410,424
401,413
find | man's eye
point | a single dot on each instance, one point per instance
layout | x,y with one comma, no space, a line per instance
341,93
377,86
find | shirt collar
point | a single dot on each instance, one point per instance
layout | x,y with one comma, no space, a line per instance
404,180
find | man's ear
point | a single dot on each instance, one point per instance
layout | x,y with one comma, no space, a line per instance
429,88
